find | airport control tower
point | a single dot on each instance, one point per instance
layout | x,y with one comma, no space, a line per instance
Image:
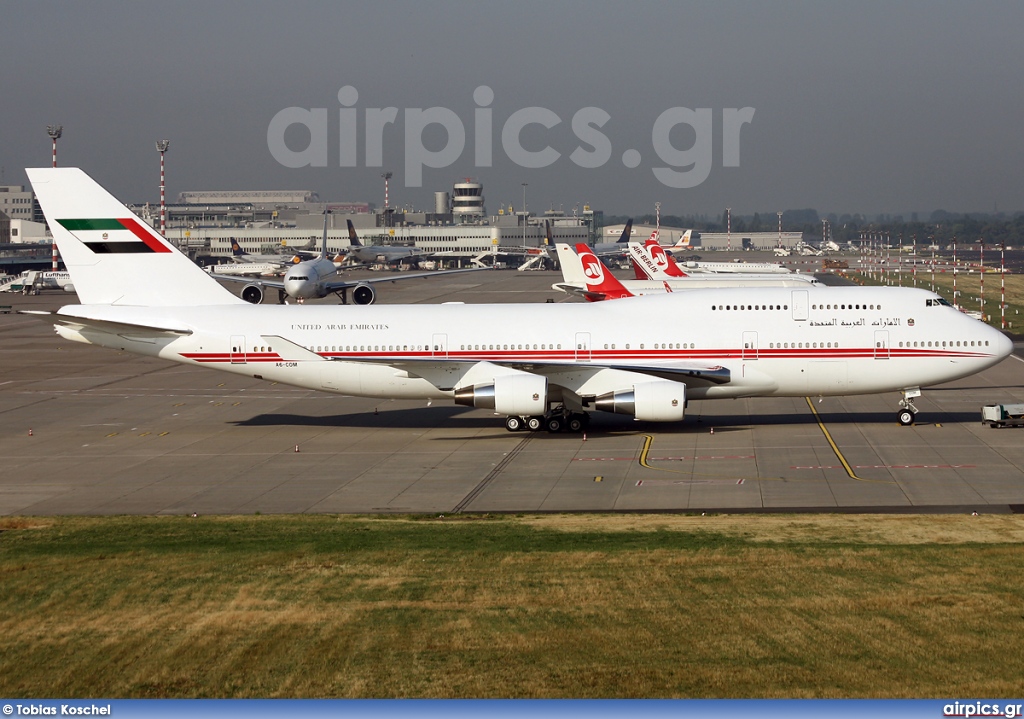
468,201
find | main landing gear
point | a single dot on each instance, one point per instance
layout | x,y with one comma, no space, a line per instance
554,422
908,411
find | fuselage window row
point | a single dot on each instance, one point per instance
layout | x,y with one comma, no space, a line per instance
845,307
727,307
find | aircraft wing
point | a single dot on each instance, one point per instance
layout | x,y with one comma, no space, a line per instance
442,371
339,284
277,284
583,292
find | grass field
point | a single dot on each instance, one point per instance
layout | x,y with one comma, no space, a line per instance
550,606
968,287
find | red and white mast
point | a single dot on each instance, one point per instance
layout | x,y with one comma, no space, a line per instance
161,147
54,131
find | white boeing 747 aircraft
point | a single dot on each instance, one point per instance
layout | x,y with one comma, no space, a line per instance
541,365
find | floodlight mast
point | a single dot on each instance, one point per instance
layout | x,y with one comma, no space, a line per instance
387,200
54,131
161,147
526,216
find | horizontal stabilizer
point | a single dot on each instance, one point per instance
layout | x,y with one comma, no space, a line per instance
114,328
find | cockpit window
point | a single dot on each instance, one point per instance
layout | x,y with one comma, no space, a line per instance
938,301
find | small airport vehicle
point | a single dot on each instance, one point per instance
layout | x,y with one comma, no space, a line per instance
1003,415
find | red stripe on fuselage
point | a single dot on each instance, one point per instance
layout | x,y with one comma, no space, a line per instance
589,356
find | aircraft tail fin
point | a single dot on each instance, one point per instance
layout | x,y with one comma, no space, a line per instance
627,232
569,261
653,262
323,241
236,249
601,284
638,271
353,238
664,260
684,241
113,256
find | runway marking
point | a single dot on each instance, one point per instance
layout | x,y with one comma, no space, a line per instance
642,482
644,462
835,448
663,459
887,466
112,434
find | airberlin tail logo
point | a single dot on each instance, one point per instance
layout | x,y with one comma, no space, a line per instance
114,236
659,255
592,268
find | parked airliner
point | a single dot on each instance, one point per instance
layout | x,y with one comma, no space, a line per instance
319,277
585,275
652,262
540,364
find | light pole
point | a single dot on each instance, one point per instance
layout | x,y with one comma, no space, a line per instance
525,215
657,218
161,147
54,131
387,200
780,228
728,229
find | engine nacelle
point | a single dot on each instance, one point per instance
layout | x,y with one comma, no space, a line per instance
253,294
655,401
514,394
68,287
363,294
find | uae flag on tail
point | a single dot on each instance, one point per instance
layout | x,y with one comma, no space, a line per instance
114,236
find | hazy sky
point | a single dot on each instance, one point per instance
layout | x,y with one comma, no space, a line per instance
858,107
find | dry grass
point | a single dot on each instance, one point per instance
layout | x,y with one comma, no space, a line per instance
539,606
969,290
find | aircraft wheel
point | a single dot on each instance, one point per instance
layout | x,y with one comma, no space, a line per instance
513,423
578,422
555,424
905,417
534,423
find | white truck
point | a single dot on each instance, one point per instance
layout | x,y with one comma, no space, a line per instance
1003,415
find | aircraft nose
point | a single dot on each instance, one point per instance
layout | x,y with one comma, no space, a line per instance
1003,345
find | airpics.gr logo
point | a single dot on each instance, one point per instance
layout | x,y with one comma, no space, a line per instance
114,235
684,168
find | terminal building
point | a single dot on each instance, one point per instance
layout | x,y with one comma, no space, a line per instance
205,224
457,229
711,240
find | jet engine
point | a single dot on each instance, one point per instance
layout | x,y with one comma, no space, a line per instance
253,294
363,294
515,394
655,401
